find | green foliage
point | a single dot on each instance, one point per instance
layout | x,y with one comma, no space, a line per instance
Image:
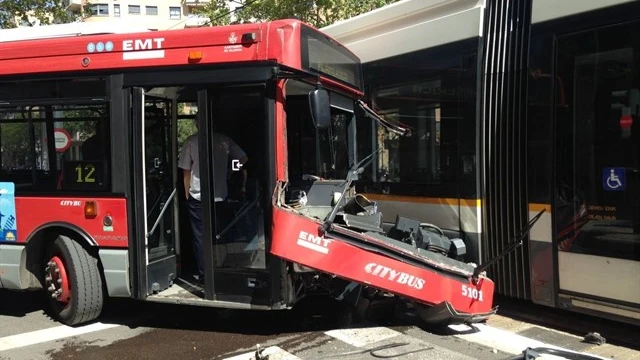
217,12
318,13
186,127
15,140
19,12
81,123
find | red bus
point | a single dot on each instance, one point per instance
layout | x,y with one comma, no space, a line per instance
94,204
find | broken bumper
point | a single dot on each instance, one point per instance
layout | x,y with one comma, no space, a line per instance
444,314
450,295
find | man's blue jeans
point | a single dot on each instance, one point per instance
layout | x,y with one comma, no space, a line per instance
195,214
224,215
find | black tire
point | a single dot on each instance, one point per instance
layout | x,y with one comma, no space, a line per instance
85,297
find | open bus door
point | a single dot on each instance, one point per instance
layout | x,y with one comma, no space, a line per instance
238,271
156,196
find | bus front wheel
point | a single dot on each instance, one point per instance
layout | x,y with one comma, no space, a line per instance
73,282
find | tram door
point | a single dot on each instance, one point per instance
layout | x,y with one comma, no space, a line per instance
598,169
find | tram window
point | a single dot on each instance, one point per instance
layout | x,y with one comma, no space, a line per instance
55,147
432,92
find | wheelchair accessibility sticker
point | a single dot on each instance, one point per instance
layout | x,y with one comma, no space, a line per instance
614,179
7,212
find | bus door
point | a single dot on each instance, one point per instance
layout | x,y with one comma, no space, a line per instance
153,125
234,130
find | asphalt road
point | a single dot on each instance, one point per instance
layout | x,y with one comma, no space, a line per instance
140,330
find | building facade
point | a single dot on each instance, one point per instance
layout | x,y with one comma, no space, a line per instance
152,14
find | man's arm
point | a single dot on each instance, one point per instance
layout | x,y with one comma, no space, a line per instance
243,161
186,178
185,162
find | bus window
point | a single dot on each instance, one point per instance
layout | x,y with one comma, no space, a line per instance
318,152
44,125
55,147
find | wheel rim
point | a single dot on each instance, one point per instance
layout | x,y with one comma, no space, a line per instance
57,281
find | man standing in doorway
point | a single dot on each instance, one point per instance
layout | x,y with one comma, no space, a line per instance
225,151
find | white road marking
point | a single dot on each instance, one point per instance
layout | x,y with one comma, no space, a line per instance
363,336
44,335
501,339
273,352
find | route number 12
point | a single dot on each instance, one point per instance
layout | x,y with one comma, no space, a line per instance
471,292
85,173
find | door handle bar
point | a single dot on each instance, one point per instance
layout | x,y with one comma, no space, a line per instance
164,208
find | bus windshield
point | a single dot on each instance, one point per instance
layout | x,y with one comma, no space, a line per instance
313,152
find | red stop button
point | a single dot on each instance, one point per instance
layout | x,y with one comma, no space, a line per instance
626,121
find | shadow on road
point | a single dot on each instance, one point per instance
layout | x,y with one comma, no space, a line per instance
19,303
189,332
316,314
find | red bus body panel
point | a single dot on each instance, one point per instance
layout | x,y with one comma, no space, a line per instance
367,267
135,50
34,213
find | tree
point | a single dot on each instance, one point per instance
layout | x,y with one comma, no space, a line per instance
318,13
186,127
18,12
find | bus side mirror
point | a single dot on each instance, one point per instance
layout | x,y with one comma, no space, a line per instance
320,108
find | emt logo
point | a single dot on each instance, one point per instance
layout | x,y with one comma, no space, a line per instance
312,242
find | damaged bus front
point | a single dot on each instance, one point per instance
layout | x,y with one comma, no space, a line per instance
336,240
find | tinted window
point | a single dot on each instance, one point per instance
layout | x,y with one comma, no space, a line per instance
312,151
432,92
52,89
51,143
321,54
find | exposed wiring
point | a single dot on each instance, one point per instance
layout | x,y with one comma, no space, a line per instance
373,351
432,226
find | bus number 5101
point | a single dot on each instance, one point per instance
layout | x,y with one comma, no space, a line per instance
472,293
